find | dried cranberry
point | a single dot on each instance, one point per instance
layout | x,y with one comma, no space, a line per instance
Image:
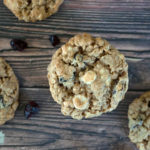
18,44
31,108
54,40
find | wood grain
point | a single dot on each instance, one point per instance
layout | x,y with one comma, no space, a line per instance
125,23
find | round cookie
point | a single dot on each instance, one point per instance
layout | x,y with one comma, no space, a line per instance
33,10
139,121
9,91
87,77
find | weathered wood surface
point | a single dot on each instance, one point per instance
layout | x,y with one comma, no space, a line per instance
125,23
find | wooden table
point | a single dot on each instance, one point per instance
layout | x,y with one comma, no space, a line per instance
125,23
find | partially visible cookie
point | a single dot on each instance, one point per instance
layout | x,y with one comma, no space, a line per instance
139,121
33,10
7,113
9,91
87,77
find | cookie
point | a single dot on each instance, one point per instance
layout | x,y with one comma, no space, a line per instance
87,77
139,121
33,10
7,113
9,91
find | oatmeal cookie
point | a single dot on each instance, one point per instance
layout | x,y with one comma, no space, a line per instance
33,10
139,121
87,77
8,112
9,91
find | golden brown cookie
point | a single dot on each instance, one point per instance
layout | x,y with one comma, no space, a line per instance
87,77
7,113
9,91
33,10
139,121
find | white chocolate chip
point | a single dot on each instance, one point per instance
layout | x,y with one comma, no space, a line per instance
108,81
89,77
80,102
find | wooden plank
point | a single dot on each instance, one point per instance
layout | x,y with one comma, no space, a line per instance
51,130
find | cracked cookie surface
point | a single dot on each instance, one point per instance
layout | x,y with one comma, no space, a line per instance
139,121
9,91
87,77
33,10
